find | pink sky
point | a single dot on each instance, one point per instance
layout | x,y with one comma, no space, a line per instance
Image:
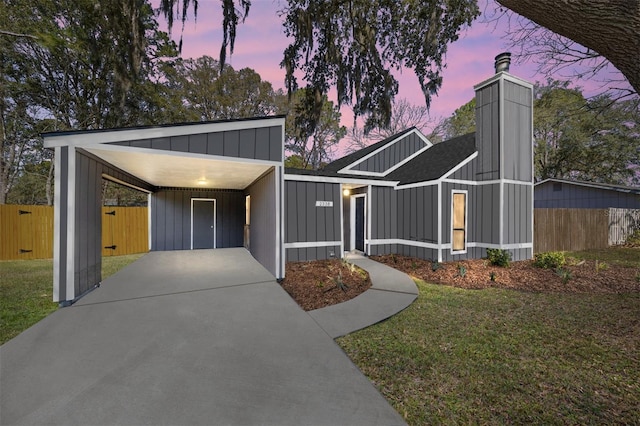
260,42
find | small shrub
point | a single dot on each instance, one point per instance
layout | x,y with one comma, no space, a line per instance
435,265
565,274
462,271
394,259
499,257
492,276
550,260
601,266
414,265
633,240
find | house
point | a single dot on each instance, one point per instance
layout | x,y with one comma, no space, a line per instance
563,193
223,184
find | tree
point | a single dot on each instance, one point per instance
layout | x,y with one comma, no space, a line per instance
210,93
461,122
610,28
311,148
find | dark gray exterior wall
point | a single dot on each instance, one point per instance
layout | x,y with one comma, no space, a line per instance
518,226
392,155
263,228
304,221
171,218
467,172
582,197
517,152
259,144
488,132
418,214
62,190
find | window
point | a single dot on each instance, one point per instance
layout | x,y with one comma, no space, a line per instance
459,221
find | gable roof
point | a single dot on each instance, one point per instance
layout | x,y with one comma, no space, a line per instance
343,162
436,161
605,186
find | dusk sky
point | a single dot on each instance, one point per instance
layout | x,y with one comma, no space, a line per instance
260,42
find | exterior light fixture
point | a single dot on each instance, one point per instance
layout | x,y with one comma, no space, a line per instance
202,181
346,192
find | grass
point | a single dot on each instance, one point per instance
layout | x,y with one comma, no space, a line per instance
26,291
623,256
506,357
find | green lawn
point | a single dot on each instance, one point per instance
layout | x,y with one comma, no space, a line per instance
624,256
506,357
26,291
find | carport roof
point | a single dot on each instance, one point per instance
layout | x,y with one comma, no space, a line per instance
166,168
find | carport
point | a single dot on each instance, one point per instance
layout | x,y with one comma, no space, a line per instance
210,185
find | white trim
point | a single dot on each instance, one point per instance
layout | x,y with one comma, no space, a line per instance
71,225
423,244
447,246
439,207
279,260
348,168
352,220
124,135
460,165
57,210
418,184
367,221
123,183
506,76
501,156
138,150
466,220
310,244
343,180
215,219
341,221
149,218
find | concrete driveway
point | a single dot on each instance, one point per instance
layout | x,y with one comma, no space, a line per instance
188,337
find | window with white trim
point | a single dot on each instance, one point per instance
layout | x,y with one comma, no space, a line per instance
458,221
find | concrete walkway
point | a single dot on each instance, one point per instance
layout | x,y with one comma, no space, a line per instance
391,291
192,337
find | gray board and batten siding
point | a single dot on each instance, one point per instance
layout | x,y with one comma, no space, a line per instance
488,132
171,217
390,156
263,143
517,132
86,229
558,194
263,221
310,228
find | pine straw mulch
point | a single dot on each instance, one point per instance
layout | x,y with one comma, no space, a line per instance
314,284
584,277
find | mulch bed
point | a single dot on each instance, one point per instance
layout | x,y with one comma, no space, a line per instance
522,275
314,284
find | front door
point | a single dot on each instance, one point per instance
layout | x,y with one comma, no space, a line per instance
203,223
359,231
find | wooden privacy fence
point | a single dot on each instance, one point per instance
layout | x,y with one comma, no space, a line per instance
582,229
26,232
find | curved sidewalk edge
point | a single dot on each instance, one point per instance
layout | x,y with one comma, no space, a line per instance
391,292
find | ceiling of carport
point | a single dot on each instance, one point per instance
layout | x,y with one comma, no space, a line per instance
166,169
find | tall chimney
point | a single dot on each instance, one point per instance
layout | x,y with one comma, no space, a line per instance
503,60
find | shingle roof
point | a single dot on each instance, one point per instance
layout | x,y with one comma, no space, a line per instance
619,188
433,163
343,162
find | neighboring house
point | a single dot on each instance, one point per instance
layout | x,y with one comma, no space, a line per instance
562,193
223,184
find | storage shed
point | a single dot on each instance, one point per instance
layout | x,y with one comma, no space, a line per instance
210,185
572,194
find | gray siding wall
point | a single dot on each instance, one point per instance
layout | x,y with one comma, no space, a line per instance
582,197
392,155
384,214
483,212
304,222
518,227
260,144
467,172
171,218
488,132
312,253
417,211
61,209
263,221
518,143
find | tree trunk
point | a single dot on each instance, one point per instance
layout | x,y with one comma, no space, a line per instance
608,27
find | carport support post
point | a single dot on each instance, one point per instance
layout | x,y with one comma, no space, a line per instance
63,222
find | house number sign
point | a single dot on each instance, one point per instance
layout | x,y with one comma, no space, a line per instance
324,203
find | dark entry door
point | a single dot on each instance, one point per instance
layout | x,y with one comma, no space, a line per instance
203,221
360,223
